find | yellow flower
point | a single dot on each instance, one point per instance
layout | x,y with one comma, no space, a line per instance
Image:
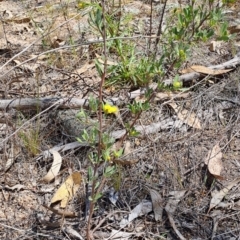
82,5
132,132
108,109
177,84
118,153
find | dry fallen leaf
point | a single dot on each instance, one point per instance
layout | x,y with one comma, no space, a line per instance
185,116
68,189
84,68
157,204
31,67
114,234
142,208
219,195
56,165
214,161
214,45
73,232
205,70
127,148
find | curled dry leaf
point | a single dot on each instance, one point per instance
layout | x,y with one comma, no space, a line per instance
187,117
68,189
60,212
73,232
56,165
84,68
214,161
111,63
218,196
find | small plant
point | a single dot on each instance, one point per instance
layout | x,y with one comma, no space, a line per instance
223,33
186,26
137,107
194,22
100,156
31,140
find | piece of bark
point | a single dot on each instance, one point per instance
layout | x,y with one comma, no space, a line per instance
71,125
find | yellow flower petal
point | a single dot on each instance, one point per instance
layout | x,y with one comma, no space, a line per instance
108,109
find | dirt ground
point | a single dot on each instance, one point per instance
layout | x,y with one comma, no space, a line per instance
167,166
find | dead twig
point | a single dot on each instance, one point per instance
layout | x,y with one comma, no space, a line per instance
61,212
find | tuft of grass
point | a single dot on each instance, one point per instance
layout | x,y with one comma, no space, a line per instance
31,140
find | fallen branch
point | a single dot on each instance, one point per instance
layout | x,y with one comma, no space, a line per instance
144,130
75,103
61,212
43,103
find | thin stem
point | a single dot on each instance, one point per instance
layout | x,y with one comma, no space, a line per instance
100,98
150,28
160,28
